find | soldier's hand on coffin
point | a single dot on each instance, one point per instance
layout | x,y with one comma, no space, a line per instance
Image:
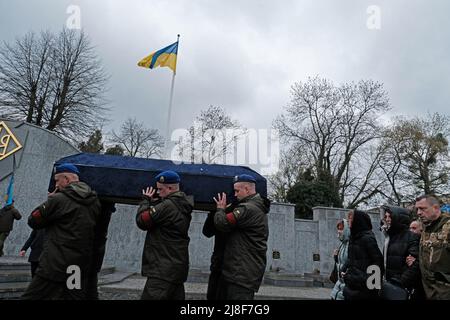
221,200
149,193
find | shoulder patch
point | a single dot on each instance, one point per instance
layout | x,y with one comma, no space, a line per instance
238,212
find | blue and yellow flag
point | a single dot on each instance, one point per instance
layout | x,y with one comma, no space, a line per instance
166,57
9,192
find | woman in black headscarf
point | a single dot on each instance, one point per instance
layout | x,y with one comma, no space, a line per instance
363,252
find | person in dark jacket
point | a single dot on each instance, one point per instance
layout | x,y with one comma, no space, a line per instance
209,230
434,250
399,244
36,242
363,252
247,230
68,217
165,260
7,216
100,237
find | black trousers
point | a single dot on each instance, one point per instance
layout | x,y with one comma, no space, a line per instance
44,289
232,291
3,236
157,289
92,287
212,292
34,266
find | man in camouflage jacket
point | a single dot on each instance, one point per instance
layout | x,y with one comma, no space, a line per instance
434,253
247,230
165,260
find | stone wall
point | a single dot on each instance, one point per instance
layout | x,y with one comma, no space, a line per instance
299,246
306,245
34,163
327,219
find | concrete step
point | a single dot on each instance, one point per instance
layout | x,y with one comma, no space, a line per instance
131,289
320,280
15,276
114,277
12,290
198,276
287,280
273,278
106,270
14,263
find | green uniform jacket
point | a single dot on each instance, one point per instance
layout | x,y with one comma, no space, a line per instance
69,218
247,231
434,258
7,216
166,248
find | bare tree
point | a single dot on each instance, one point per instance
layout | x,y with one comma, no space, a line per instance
211,138
54,81
333,125
137,140
363,179
392,166
291,166
418,158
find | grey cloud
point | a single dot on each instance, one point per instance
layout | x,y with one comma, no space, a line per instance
245,55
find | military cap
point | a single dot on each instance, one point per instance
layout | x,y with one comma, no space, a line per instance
168,177
244,178
66,167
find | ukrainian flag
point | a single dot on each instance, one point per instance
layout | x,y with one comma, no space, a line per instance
9,192
166,57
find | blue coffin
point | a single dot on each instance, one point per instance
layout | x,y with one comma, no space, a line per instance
121,179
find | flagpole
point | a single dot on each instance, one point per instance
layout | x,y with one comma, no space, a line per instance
169,114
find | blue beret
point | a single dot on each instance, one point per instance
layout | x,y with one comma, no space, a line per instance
168,177
66,167
244,178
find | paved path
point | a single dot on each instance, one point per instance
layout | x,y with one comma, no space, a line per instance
116,285
132,287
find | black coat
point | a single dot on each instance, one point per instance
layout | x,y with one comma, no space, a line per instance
101,235
363,252
402,243
217,257
36,243
7,216
209,230
166,248
247,232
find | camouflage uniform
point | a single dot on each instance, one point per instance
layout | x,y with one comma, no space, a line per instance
68,218
7,216
165,260
434,258
244,259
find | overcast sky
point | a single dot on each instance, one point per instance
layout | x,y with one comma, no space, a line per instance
245,55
